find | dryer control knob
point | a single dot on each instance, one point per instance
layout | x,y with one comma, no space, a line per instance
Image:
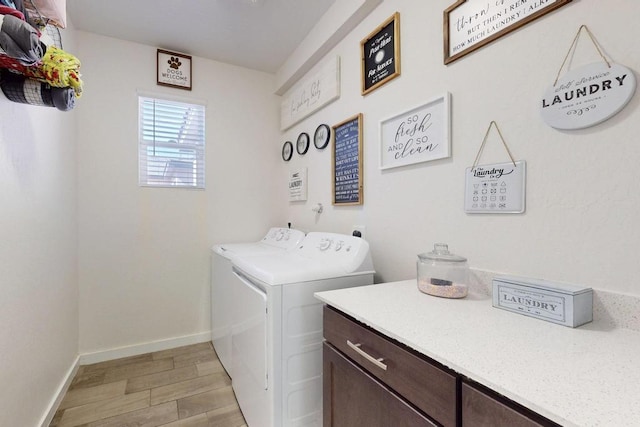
324,244
339,245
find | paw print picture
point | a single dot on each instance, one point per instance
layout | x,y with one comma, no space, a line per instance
174,62
174,69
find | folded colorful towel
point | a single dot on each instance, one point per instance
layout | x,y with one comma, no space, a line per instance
59,69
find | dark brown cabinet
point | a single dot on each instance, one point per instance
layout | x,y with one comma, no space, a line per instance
370,380
405,377
353,398
485,409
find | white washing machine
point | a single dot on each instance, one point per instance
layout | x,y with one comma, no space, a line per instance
277,330
277,240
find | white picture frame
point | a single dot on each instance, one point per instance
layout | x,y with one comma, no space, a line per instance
497,188
316,90
421,134
298,185
173,69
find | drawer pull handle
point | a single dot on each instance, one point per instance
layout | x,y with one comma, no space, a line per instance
370,358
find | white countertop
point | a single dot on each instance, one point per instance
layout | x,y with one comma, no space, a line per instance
585,376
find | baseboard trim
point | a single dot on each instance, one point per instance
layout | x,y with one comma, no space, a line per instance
134,350
62,390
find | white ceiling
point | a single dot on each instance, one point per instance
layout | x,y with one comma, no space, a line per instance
257,34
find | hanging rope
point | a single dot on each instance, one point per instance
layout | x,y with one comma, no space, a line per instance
573,43
484,141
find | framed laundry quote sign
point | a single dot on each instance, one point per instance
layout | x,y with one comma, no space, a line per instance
471,24
174,69
417,135
347,162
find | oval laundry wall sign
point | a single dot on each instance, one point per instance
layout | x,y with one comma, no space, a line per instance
587,96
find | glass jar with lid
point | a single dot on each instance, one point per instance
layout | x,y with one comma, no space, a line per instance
442,273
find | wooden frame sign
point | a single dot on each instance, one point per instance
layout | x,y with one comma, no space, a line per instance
347,164
380,55
174,69
472,24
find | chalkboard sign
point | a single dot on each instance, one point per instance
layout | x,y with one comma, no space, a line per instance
380,52
347,162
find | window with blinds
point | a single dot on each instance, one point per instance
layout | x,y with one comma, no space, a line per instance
171,143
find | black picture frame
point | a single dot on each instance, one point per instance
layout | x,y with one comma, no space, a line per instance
302,143
287,151
380,55
322,136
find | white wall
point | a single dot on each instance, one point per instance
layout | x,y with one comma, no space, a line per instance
144,252
38,242
582,186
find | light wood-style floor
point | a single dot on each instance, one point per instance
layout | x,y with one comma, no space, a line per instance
181,387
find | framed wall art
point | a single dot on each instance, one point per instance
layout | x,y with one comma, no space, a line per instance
380,55
472,24
317,89
302,143
298,185
174,69
287,151
322,136
347,162
420,134
498,188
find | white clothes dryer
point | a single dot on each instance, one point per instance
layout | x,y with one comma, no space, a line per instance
277,240
277,330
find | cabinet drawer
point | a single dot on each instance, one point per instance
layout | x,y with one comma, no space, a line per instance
353,398
484,409
427,386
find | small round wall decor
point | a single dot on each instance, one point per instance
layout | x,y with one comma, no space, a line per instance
321,136
587,96
287,151
302,145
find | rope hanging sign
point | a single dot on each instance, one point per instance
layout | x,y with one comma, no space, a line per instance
588,95
497,187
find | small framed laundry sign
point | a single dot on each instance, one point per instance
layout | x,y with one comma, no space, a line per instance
298,185
588,95
174,69
495,188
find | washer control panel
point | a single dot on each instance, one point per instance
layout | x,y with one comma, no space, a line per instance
350,252
283,237
336,245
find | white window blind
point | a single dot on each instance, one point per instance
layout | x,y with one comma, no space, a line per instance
171,143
